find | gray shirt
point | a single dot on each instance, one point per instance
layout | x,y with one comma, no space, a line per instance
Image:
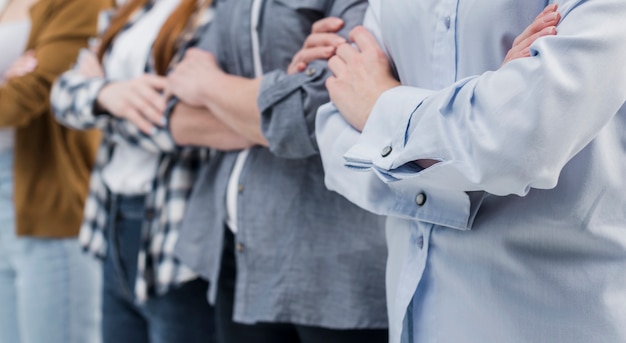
305,254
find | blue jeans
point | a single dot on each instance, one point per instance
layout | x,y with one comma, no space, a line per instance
181,315
48,287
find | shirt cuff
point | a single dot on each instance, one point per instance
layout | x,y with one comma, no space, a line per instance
385,133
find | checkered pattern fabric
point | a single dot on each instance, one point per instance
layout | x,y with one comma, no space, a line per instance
73,98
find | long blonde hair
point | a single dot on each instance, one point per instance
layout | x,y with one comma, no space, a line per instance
166,42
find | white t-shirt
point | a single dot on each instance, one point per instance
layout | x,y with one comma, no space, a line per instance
233,182
13,37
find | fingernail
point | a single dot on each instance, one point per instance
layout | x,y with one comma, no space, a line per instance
164,121
549,30
153,131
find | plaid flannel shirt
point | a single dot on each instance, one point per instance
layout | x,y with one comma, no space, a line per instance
73,97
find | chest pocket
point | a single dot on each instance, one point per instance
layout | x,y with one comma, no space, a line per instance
316,5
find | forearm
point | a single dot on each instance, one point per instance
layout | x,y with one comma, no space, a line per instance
236,106
199,127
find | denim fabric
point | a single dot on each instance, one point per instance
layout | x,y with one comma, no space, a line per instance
48,287
181,315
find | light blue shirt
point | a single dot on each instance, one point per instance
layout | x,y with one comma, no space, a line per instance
519,233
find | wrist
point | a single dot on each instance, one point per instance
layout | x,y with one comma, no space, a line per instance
100,103
211,94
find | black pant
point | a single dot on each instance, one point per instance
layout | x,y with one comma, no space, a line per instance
230,332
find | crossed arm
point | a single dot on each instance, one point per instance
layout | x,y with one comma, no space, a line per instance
223,113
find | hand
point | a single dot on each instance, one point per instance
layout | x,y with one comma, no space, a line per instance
24,65
543,25
138,100
193,76
89,65
320,44
360,77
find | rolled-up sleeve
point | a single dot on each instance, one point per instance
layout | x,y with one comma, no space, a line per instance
73,97
289,103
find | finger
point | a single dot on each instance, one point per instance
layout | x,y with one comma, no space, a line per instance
301,67
364,39
550,8
293,67
304,57
155,81
189,55
346,52
90,64
153,96
91,58
323,39
167,92
138,120
328,24
148,105
337,66
526,43
330,85
175,84
22,71
546,18
320,53
9,74
522,49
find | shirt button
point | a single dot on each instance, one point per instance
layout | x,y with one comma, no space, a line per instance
310,72
240,247
386,151
447,21
240,188
420,199
420,242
